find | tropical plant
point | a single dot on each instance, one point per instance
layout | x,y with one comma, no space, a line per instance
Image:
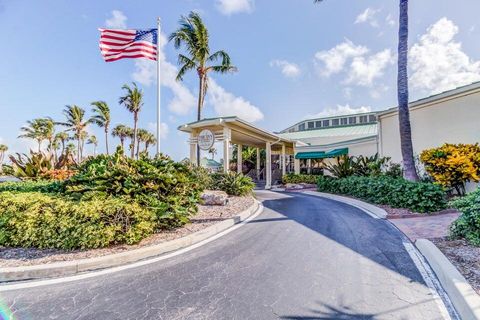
34,166
193,35
213,152
62,137
3,151
406,145
370,165
234,184
102,118
299,178
93,140
76,122
149,140
122,132
133,101
451,165
468,224
344,167
142,137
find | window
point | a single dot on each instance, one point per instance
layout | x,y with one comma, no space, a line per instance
326,123
363,119
301,127
352,120
372,118
318,124
343,121
311,125
335,122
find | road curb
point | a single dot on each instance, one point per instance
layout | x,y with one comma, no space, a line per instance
465,300
70,268
372,210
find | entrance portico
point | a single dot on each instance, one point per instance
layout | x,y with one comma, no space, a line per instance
233,130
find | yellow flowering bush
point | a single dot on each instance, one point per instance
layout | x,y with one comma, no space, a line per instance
451,165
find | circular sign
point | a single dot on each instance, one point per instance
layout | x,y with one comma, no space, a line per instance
206,139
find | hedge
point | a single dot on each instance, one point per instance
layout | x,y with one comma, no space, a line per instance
50,221
299,178
468,224
396,192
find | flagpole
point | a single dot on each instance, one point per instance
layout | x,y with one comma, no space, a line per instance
159,122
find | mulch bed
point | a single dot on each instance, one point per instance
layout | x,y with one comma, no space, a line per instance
464,256
397,213
206,216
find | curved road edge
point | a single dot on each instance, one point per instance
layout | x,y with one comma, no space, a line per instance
37,275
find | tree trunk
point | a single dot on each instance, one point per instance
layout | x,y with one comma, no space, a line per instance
199,107
78,150
409,171
106,139
135,120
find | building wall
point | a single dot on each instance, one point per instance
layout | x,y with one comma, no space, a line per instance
452,120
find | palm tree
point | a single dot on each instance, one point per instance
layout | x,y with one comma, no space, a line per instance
38,129
102,118
213,152
142,136
150,140
3,151
409,170
193,35
132,100
93,140
122,132
62,137
77,123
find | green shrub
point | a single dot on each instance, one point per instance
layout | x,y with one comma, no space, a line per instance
51,221
42,186
395,192
299,178
160,184
468,224
234,184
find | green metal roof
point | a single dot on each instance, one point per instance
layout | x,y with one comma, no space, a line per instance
321,154
354,130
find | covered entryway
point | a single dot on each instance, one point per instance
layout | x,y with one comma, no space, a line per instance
233,130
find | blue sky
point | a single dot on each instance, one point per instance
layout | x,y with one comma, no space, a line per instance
295,59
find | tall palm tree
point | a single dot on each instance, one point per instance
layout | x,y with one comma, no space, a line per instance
150,140
409,170
122,132
133,101
193,35
3,151
142,136
76,122
213,152
102,118
38,129
93,140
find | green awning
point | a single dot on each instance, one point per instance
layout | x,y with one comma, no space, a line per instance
321,154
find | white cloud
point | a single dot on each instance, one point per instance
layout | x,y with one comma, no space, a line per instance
390,20
288,69
364,70
368,16
347,93
334,60
226,104
340,110
164,129
145,73
438,62
229,7
117,21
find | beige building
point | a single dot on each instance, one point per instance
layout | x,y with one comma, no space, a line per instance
452,116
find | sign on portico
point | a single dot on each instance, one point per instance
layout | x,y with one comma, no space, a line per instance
206,139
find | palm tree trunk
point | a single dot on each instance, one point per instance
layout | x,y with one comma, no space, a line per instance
409,171
78,150
138,148
199,108
106,139
135,120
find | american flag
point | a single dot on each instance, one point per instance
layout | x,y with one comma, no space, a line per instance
116,44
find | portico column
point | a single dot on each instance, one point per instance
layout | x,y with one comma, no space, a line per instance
284,161
258,164
309,166
268,166
296,166
239,158
226,149
193,149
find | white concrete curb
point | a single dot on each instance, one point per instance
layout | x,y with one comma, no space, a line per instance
370,209
69,268
465,300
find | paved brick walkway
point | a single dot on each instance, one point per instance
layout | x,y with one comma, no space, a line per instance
426,227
